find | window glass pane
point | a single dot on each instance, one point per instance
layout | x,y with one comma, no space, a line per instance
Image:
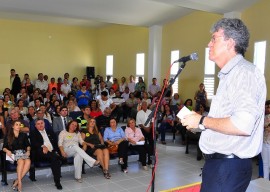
174,69
174,57
209,68
140,64
109,65
209,75
259,55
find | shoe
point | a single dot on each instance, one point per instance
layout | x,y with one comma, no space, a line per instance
163,143
125,170
58,186
19,189
145,168
79,180
97,163
121,162
15,184
106,174
151,166
199,158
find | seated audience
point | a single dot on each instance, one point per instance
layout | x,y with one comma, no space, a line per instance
176,103
22,110
95,110
31,115
95,146
134,135
103,121
3,130
29,87
83,96
52,85
85,82
146,99
131,84
104,101
119,102
72,106
60,123
8,103
68,143
114,135
82,120
188,104
115,85
46,114
167,122
75,85
123,85
17,143
15,116
131,106
141,118
44,147
40,115
3,110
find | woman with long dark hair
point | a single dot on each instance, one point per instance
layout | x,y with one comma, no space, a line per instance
17,148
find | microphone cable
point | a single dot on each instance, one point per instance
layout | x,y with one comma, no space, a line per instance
153,126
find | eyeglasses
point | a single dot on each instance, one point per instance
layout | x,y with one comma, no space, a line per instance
214,39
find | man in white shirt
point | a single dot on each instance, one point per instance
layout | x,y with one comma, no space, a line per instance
154,88
41,84
104,101
141,118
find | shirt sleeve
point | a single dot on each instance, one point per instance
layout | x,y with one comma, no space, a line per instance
61,138
122,133
80,138
106,134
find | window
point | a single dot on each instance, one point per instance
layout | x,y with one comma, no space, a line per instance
209,75
259,55
109,66
174,56
140,62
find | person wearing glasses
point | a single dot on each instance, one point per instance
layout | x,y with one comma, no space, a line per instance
232,132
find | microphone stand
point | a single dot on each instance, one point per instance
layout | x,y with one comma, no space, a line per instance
151,115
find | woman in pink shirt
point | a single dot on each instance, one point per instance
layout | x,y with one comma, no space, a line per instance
136,139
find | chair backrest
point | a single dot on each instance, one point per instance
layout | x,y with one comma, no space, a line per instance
75,114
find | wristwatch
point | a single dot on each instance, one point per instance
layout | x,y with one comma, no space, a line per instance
201,126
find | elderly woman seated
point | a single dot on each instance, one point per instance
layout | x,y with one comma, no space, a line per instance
68,143
136,139
115,138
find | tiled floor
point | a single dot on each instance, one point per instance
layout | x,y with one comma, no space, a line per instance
175,168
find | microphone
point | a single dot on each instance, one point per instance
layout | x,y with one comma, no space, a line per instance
192,56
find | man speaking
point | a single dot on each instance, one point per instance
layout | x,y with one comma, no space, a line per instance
233,131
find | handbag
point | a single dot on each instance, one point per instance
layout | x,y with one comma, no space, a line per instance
113,149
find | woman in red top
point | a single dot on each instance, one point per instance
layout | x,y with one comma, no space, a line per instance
115,84
95,110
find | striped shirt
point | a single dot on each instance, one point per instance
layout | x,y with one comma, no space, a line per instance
240,96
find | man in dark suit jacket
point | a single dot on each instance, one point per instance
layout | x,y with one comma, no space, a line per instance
44,147
15,83
60,123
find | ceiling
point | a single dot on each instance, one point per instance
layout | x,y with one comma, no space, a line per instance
97,13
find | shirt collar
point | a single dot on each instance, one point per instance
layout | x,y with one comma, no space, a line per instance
230,65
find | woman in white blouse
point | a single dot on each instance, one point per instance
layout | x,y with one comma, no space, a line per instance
68,143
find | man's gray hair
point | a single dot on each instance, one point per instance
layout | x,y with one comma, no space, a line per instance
38,119
235,29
